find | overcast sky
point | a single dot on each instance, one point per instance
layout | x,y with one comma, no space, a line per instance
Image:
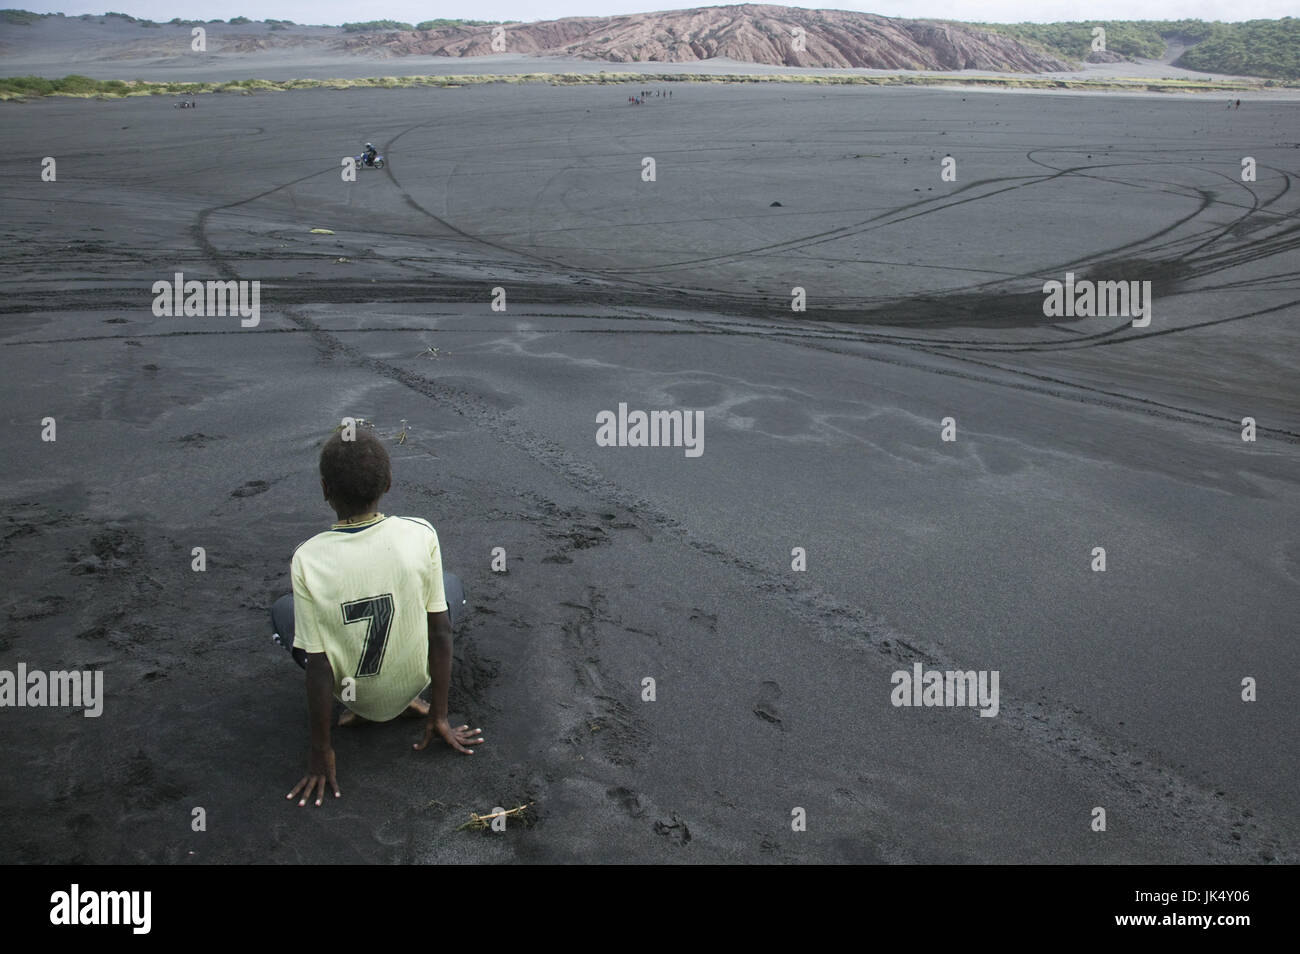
413,11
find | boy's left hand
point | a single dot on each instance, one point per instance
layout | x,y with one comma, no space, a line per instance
459,738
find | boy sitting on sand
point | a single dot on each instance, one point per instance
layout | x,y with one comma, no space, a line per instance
369,617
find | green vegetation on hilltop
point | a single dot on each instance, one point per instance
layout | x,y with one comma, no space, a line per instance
1255,48
442,23
27,17
21,17
371,26
1073,41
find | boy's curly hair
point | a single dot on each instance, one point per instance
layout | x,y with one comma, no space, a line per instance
357,472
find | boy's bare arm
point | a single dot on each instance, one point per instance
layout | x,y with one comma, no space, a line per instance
440,675
320,704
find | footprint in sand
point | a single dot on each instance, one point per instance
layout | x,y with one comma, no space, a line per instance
197,439
390,834
674,829
766,709
709,621
628,799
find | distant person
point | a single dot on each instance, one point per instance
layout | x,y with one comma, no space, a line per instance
371,614
1239,104
368,154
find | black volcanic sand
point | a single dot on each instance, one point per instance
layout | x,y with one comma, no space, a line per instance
1118,689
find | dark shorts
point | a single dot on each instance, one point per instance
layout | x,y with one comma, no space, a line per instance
282,615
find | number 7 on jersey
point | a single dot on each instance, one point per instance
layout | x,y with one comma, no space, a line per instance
377,611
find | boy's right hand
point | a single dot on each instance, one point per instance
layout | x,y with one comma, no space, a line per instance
320,769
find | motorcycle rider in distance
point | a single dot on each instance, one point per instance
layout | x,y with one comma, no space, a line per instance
368,156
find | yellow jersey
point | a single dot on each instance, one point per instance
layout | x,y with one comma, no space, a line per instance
360,595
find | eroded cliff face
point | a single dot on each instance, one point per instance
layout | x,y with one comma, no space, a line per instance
752,33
